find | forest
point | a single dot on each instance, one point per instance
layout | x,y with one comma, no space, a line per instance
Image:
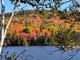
41,27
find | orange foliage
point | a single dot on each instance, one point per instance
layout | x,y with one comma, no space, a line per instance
45,31
38,30
77,31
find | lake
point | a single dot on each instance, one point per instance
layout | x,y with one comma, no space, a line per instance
40,53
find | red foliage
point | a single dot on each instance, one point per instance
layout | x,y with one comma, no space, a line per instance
23,34
33,29
33,34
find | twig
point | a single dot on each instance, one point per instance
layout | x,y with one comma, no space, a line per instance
65,2
50,52
20,54
74,53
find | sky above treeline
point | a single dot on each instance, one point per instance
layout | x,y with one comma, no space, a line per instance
9,6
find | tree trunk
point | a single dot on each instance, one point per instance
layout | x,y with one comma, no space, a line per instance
2,24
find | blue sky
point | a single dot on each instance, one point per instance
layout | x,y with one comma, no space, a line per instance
9,6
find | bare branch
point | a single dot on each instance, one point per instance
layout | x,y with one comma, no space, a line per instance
20,10
75,3
74,53
65,2
15,6
20,54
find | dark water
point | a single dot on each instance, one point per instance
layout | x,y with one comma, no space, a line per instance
40,53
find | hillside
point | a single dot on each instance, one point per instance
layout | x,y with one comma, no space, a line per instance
42,28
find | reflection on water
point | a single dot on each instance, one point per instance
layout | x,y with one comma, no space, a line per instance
40,53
